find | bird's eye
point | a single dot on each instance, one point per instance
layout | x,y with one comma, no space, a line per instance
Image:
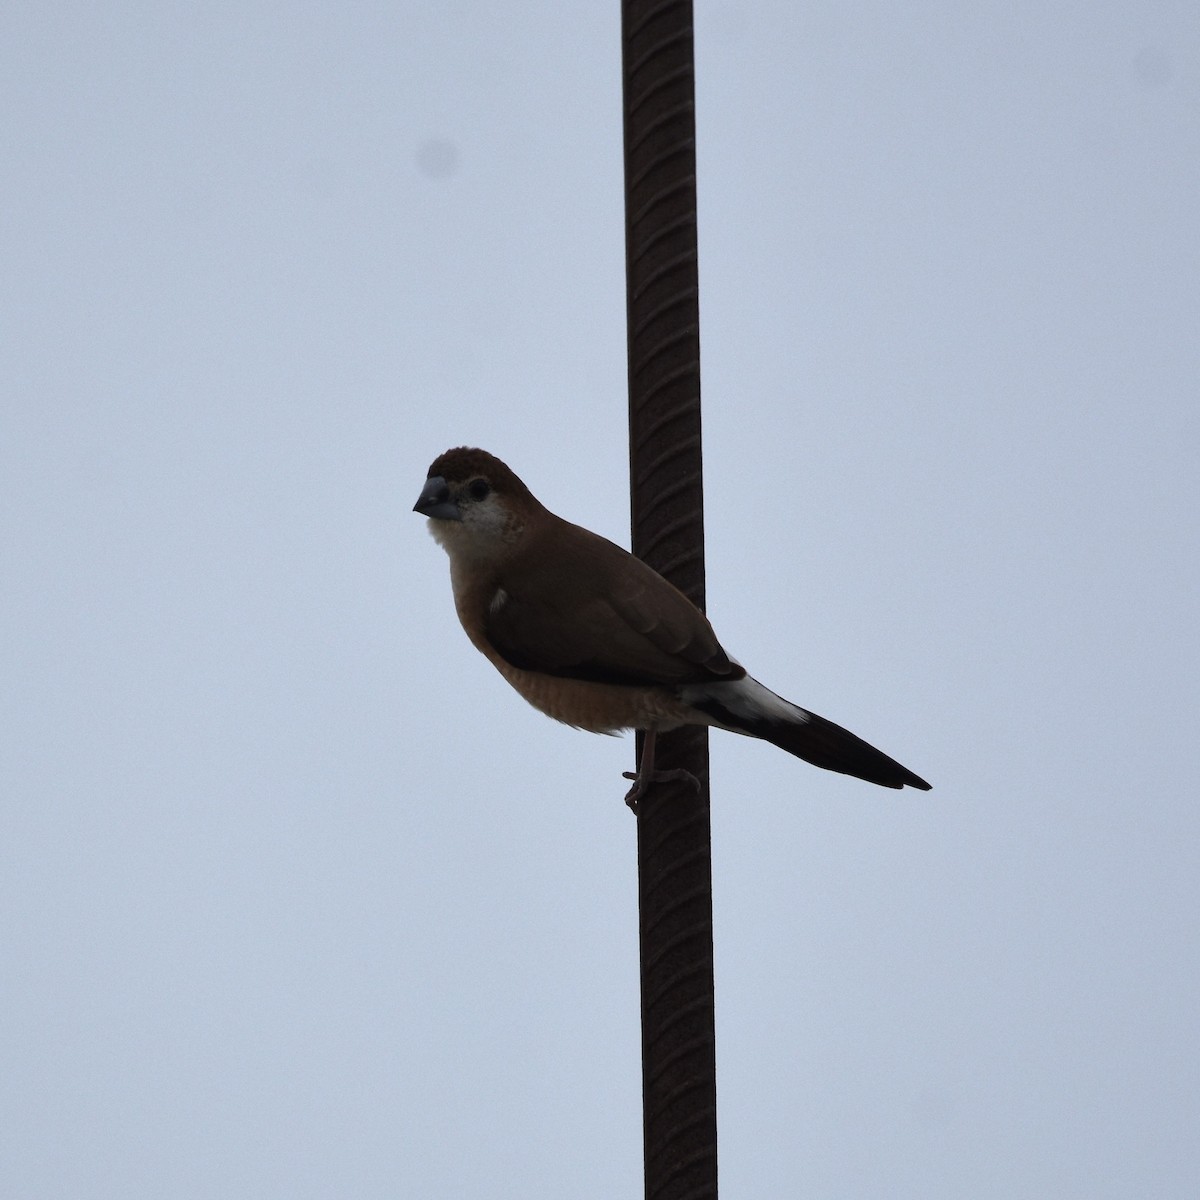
479,489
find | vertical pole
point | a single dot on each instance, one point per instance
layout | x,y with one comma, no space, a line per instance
679,1093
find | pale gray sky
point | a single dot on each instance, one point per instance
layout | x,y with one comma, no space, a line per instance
299,899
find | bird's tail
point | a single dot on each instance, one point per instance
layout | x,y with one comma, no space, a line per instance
746,706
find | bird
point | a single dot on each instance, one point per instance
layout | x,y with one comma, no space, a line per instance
592,636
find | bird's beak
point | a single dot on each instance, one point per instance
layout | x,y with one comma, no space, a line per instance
434,501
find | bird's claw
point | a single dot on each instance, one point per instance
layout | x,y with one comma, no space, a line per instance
643,779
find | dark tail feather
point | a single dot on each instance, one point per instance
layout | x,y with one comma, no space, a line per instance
827,745
819,742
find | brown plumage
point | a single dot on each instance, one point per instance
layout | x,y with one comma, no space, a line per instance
593,637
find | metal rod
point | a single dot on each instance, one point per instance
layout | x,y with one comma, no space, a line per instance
679,1095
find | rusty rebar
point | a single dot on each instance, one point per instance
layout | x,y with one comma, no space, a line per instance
679,1094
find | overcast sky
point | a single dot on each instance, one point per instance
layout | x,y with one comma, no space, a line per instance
299,900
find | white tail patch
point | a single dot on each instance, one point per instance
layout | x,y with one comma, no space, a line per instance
745,698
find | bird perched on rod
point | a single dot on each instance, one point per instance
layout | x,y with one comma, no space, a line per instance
594,637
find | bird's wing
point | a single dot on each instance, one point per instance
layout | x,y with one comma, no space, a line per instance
589,610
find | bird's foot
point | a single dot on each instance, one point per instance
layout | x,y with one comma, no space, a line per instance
643,779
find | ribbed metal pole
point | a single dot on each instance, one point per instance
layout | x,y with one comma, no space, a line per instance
679,1092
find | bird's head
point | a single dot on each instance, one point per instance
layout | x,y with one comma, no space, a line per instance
476,506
